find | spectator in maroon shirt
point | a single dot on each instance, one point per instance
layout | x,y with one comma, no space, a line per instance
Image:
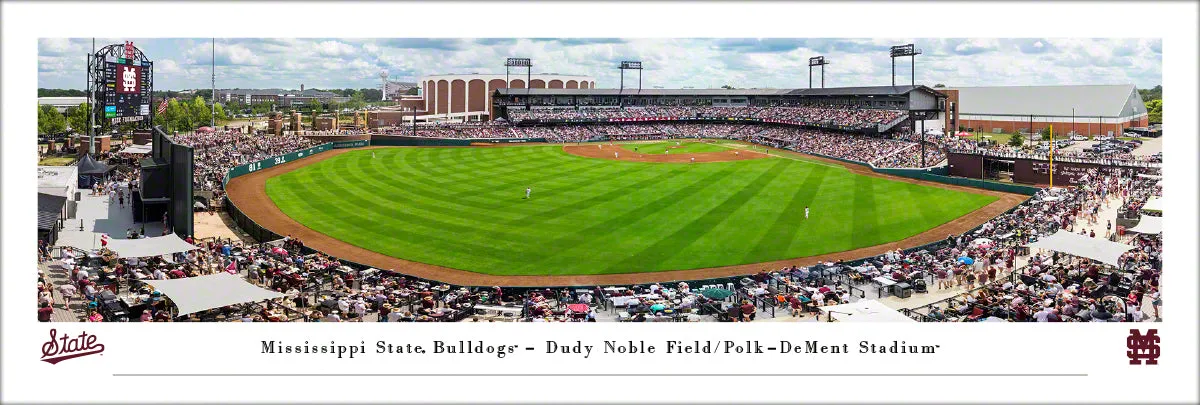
44,312
747,311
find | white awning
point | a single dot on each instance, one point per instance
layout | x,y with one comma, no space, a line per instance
1149,176
1078,245
156,246
1148,225
195,294
865,311
1154,204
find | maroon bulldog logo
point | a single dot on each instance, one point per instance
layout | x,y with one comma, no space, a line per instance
66,348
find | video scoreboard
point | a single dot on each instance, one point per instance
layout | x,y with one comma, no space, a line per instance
126,95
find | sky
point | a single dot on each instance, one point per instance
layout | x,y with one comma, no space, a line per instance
182,63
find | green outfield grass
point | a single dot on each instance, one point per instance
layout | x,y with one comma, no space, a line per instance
464,208
683,147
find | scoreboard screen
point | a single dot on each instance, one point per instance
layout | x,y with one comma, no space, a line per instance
126,93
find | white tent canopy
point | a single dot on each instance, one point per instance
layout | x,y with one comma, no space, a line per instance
195,294
1078,245
156,246
865,311
1150,176
137,149
1154,204
1148,225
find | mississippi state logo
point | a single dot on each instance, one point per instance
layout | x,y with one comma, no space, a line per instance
1142,347
65,347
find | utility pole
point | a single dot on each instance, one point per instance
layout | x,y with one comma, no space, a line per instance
213,121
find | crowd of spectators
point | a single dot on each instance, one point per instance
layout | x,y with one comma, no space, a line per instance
217,152
454,131
845,146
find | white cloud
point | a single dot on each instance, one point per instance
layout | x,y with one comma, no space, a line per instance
672,63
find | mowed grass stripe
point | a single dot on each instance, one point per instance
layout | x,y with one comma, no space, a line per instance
778,238
865,216
683,237
617,222
351,226
356,199
417,205
592,202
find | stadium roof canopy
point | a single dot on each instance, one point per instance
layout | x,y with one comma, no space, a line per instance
49,209
865,311
1097,249
145,247
195,294
832,91
1109,101
1148,225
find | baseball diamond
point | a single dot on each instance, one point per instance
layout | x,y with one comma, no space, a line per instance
462,208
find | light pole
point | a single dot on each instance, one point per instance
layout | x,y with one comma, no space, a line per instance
901,51
817,61
629,65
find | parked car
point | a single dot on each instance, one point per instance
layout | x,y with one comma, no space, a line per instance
1133,135
1103,137
1078,138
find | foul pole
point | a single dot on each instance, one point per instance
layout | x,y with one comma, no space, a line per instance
1051,156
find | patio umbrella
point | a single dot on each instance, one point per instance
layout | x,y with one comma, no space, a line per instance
716,293
966,260
198,204
983,242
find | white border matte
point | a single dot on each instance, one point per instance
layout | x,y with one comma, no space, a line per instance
1098,349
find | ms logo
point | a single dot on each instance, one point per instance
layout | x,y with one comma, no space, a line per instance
1142,347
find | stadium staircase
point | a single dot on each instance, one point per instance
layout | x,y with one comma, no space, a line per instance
889,125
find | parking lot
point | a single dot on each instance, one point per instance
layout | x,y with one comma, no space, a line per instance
1149,146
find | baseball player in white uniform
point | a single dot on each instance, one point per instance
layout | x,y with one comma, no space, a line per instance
805,212
528,191
693,160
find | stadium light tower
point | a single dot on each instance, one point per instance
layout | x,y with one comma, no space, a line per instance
519,62
817,61
901,51
629,65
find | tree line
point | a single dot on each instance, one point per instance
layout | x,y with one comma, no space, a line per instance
180,115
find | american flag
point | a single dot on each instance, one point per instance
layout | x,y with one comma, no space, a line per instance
162,107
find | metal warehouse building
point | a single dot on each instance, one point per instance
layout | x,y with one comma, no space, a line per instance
1084,109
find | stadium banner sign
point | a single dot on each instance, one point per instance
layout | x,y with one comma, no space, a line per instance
275,161
350,144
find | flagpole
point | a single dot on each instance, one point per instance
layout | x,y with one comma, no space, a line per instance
1051,156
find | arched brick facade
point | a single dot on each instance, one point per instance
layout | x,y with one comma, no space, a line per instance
583,85
458,96
555,84
517,84
537,84
478,98
443,96
429,97
571,84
